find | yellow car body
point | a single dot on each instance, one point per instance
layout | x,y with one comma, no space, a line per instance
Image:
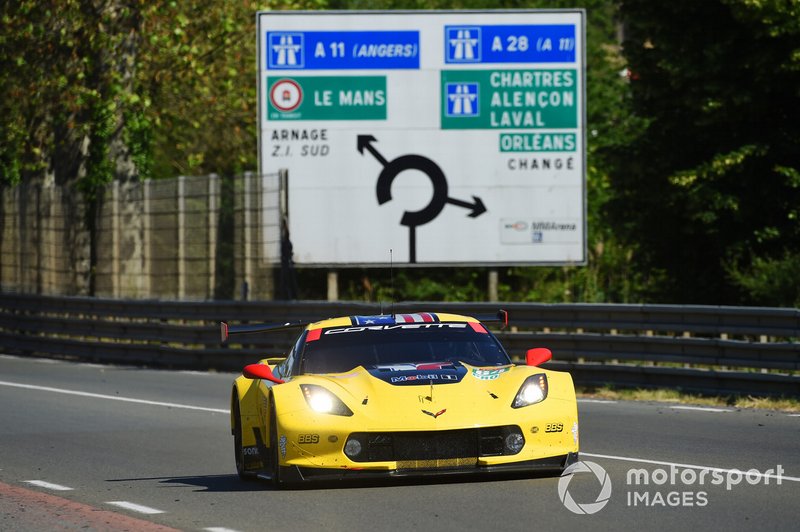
417,414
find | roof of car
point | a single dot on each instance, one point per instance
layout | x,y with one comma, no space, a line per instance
390,319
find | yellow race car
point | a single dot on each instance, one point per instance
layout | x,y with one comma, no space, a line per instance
399,395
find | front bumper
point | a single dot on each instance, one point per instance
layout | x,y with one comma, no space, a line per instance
551,465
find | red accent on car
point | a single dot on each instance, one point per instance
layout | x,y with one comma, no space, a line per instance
427,318
407,318
538,355
478,328
260,371
313,335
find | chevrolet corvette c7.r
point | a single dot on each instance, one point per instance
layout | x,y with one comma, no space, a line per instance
399,395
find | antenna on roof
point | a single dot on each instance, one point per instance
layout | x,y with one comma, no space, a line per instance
391,279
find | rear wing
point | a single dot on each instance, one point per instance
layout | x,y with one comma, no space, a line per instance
226,330
501,317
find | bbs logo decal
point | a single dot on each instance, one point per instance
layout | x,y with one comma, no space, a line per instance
308,438
554,427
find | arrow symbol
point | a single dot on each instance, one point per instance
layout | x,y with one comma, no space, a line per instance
476,206
365,141
413,219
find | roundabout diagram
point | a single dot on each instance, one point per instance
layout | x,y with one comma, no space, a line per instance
413,219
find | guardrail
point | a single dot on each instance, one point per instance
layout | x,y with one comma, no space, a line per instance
706,349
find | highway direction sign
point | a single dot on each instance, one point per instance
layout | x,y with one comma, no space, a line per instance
450,137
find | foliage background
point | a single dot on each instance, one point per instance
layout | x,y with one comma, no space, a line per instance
693,162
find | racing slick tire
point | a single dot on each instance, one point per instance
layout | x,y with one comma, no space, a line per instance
238,451
275,469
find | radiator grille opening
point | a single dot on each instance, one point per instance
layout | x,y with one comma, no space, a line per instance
446,448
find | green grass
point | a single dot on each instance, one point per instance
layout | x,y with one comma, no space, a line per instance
675,396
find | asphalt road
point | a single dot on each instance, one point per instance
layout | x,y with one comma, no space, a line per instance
104,448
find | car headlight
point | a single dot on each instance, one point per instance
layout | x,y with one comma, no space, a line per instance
322,401
532,391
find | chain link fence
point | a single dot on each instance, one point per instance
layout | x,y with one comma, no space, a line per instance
188,238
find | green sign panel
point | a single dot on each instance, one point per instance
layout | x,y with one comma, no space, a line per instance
537,142
509,99
326,98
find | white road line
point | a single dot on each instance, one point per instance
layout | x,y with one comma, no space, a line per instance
701,408
112,397
794,415
603,401
48,485
690,466
219,529
136,507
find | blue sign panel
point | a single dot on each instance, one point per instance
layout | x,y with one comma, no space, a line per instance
462,99
510,44
342,50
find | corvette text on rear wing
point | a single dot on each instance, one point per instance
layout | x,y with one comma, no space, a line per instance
397,327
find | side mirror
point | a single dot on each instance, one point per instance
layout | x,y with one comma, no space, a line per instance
538,356
260,371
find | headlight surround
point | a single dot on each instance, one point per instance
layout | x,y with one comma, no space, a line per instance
532,391
322,401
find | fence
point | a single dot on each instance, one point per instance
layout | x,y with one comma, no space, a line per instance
188,238
721,350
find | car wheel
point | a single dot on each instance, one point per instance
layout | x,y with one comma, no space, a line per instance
274,449
238,453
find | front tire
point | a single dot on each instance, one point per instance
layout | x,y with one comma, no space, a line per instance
274,449
238,452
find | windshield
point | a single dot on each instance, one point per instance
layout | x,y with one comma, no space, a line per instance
342,349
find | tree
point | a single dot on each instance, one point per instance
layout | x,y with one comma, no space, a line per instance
67,72
198,72
709,187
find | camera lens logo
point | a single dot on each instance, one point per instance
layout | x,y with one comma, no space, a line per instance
590,507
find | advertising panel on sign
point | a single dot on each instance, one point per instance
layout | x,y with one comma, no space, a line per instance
449,137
